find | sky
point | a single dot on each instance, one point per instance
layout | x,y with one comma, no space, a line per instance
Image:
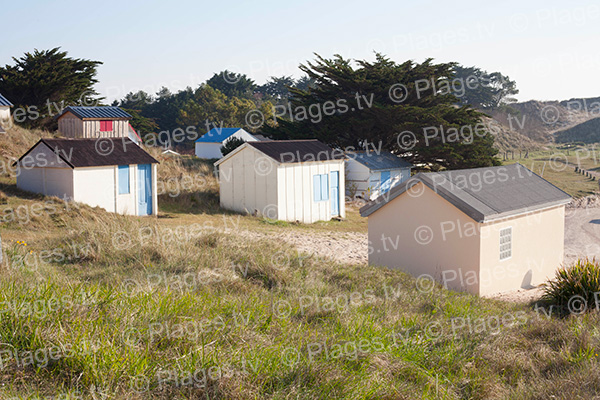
550,48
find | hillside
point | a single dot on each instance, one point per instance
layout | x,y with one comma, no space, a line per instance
541,120
506,139
587,132
194,305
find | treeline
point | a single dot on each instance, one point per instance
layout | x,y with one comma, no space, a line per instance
224,100
429,113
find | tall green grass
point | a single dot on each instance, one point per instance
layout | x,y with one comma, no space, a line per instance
213,315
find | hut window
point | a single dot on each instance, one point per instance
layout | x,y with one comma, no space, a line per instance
321,187
106,126
123,179
505,243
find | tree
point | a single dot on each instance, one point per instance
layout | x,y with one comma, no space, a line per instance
278,88
209,108
305,83
47,81
483,90
135,101
378,105
231,144
141,124
232,84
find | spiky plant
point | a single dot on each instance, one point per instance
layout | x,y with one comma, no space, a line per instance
572,283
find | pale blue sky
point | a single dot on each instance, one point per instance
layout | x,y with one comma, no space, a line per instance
549,47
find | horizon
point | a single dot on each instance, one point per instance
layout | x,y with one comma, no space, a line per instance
533,44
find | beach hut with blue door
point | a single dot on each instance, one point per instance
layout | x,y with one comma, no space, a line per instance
289,180
113,173
372,173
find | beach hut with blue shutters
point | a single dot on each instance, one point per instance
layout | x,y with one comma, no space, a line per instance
209,145
288,180
113,173
372,173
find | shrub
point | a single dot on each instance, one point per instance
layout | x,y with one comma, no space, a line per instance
231,145
571,284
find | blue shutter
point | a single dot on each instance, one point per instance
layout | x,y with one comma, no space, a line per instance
317,187
123,179
324,187
386,181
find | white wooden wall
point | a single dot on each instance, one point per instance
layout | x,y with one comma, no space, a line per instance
47,181
208,150
253,183
358,175
43,172
4,113
367,182
98,186
248,183
295,191
95,186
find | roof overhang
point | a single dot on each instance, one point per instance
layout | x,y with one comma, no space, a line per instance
471,212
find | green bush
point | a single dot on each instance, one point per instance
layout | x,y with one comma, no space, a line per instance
574,283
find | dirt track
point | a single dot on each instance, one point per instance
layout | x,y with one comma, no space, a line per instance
582,233
582,239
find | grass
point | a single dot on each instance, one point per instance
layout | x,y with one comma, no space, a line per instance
556,164
150,319
95,305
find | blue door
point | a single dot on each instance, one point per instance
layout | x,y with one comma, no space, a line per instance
144,189
335,193
386,181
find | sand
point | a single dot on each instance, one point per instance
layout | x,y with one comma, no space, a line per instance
582,239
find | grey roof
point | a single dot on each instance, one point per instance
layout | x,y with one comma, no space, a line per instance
483,194
378,161
4,101
295,151
96,112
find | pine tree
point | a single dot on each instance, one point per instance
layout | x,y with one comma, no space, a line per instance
384,104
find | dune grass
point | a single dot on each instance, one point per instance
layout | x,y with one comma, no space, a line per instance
117,307
101,306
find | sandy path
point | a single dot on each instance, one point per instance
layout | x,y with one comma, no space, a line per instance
344,247
582,239
582,233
